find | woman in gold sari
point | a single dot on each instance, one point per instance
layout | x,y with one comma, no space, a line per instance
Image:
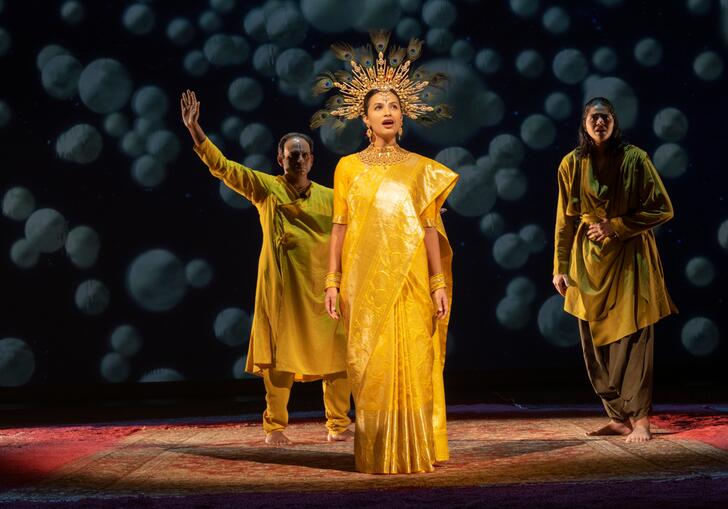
391,261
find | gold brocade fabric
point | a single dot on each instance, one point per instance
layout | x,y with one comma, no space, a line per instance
396,349
616,285
291,330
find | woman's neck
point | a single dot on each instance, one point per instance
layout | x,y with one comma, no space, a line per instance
380,142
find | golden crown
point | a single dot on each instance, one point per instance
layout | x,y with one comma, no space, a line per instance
391,74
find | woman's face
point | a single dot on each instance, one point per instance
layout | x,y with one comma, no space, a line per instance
384,115
599,123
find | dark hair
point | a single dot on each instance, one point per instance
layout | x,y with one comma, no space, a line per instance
288,136
375,91
585,142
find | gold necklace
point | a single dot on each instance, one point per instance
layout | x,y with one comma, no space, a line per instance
382,156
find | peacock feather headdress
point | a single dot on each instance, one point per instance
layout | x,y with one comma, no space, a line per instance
392,73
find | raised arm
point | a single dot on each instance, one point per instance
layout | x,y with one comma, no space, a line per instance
253,185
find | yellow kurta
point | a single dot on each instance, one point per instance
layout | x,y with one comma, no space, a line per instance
616,285
291,330
396,349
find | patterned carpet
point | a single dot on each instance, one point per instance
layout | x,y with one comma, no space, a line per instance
181,459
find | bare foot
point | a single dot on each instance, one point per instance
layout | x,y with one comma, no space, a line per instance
641,432
613,428
340,437
277,438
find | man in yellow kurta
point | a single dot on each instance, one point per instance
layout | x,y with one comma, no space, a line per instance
292,337
607,266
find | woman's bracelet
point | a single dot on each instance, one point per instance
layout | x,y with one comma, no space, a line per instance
437,281
333,280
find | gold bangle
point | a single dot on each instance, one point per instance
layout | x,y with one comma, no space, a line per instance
333,280
437,281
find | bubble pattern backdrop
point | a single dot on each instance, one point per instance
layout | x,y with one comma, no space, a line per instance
125,261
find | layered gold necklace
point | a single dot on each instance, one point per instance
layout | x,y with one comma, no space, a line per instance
383,156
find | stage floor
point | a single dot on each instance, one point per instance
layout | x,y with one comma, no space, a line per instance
491,446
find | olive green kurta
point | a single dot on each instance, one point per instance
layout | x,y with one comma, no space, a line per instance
291,330
616,285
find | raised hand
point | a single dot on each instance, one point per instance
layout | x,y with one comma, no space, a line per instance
190,108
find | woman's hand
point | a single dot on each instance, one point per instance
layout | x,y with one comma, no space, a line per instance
190,108
561,283
439,299
332,295
597,232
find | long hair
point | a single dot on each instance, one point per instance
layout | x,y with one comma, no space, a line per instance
585,143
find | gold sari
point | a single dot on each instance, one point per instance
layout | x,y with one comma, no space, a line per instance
396,348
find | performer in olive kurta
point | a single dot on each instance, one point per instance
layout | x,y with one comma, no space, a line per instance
607,266
391,259
292,336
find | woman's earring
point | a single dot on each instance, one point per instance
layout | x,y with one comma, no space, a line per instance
400,133
370,134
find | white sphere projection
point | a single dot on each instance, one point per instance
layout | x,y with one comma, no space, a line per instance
286,26
245,94
455,157
238,370
150,101
530,64
492,225
475,193
256,138
670,124
254,25
46,230
329,16
147,171
226,50
605,59
72,12
92,297
163,145
522,289
439,13
538,131
210,21
198,273
489,107
345,140
699,7
513,314
82,246
24,254
162,375
18,203
294,65
671,160
506,151
232,326
60,76
525,8
723,235
487,61
180,31
708,66
195,63
233,198
104,86
48,52
156,280
81,144
510,251
700,271
126,340
116,124
115,367
558,105
556,20
700,336
534,236
511,184
570,66
264,59
132,144
557,326
648,52
17,362
139,19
